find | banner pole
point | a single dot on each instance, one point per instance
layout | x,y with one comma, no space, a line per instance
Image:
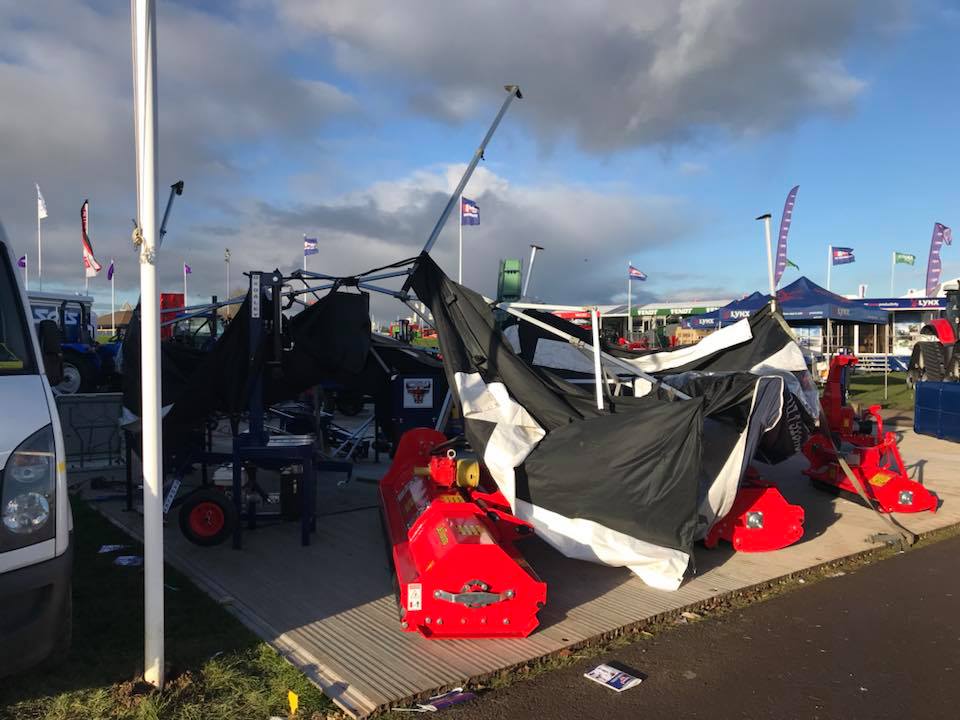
26,271
184,284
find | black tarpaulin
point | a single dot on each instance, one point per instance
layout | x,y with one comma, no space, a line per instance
759,346
619,487
332,335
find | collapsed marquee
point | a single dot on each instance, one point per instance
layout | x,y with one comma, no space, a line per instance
636,483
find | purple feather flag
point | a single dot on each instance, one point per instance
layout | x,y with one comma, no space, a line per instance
785,221
186,269
110,271
942,235
22,261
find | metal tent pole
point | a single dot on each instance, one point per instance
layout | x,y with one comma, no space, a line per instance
597,368
175,189
533,257
144,26
513,91
773,290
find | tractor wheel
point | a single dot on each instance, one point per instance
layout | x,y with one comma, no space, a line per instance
78,375
953,367
207,517
926,363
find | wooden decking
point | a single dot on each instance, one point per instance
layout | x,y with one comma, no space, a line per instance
330,608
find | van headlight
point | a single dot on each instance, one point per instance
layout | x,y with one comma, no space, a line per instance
28,492
26,513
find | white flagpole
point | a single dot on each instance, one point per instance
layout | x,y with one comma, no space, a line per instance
226,261
460,225
144,26
113,301
893,267
304,251
26,271
39,247
629,303
829,263
185,284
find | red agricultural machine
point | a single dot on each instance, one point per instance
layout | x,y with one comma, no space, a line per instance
452,538
760,520
873,459
935,356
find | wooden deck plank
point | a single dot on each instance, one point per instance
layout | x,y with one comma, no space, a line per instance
330,609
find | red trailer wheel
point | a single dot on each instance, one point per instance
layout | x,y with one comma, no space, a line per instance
207,518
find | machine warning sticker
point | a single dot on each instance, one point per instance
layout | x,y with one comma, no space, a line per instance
414,597
418,393
880,479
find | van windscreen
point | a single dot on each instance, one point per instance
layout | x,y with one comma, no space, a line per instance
16,356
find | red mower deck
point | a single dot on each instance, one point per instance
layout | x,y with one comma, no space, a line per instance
458,572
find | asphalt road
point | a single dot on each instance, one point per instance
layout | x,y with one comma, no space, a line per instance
881,642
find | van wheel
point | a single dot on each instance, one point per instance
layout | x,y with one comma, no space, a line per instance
207,517
64,634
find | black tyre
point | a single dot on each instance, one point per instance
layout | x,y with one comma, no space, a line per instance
61,647
926,363
349,404
207,517
79,375
953,367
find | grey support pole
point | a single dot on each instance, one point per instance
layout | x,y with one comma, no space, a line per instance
513,91
533,256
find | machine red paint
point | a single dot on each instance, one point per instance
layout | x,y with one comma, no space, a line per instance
874,459
170,306
452,536
760,520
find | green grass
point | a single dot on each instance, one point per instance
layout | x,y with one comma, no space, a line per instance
430,342
216,667
867,390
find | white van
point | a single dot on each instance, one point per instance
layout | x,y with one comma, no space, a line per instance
36,549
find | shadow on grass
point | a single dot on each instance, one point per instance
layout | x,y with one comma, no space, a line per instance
216,667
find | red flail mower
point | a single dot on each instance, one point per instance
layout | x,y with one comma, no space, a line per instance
452,538
873,457
760,520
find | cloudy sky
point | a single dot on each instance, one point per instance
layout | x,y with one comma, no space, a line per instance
652,132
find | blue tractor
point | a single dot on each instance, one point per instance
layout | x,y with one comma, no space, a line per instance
88,366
